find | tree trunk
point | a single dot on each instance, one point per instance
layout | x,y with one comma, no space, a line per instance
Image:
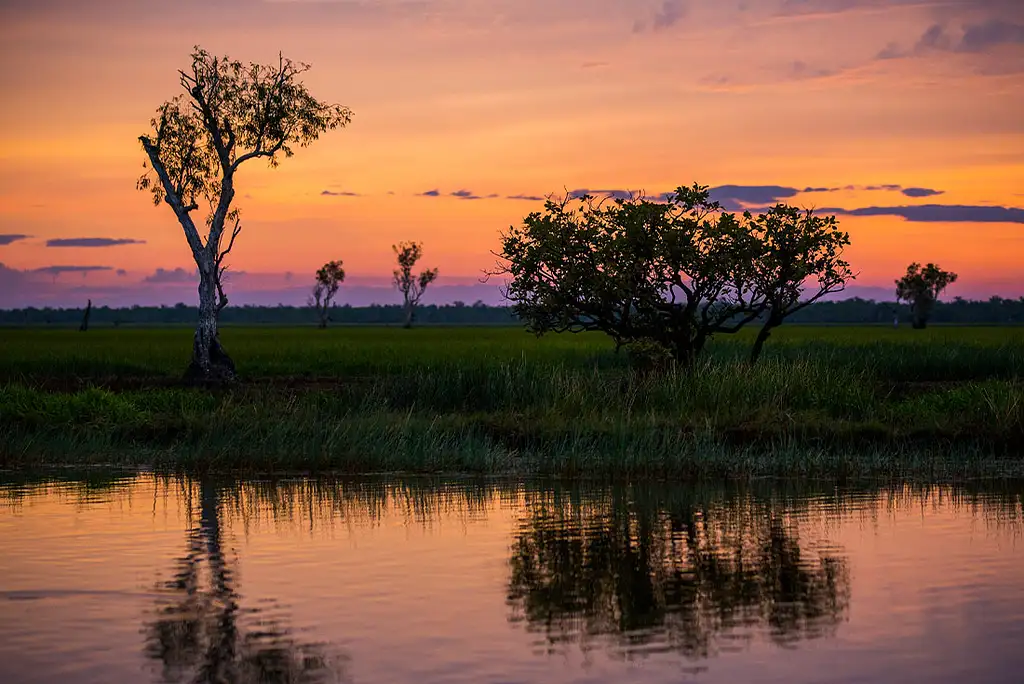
684,350
84,327
921,310
210,363
762,336
409,310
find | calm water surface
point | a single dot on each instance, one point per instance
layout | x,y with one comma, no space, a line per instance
142,578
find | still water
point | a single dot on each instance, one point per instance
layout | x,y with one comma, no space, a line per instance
142,578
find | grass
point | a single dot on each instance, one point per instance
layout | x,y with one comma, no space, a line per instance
824,402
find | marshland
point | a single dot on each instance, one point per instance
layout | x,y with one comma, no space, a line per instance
823,401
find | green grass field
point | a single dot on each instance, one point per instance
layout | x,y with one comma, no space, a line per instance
824,401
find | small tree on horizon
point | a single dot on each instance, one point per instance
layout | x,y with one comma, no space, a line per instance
328,279
411,286
921,287
229,114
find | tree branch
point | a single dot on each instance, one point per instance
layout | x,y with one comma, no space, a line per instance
181,210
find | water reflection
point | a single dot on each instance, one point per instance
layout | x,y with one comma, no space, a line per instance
200,633
444,580
651,575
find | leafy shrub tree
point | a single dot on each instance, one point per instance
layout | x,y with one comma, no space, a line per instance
797,261
411,286
921,288
329,278
673,272
229,114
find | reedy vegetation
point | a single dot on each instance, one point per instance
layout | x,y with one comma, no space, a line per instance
823,402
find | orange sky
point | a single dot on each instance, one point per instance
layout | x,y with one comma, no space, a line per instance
523,97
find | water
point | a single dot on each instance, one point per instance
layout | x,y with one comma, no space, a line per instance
142,578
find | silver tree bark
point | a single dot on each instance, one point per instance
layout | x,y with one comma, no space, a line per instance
209,360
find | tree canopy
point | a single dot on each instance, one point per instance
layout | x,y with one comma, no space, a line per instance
674,271
230,113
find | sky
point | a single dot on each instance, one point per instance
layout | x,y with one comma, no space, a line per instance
905,118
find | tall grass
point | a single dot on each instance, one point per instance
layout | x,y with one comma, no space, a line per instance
822,402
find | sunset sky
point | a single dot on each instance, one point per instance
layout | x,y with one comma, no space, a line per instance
907,117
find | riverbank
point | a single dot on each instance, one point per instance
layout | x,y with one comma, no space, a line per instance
824,402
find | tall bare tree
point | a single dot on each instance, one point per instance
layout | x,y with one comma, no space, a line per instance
229,114
328,279
411,286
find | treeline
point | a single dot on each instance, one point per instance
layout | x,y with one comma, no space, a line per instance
452,314
865,311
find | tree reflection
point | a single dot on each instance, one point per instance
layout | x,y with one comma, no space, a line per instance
200,633
643,575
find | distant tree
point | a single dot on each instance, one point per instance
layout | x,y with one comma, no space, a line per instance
411,286
85,318
230,113
328,280
798,261
921,288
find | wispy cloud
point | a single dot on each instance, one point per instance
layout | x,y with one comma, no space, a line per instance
462,194
57,270
612,194
670,13
93,242
339,193
177,275
800,70
529,198
921,192
979,37
939,213
8,238
739,197
972,38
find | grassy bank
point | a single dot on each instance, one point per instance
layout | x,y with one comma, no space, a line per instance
831,402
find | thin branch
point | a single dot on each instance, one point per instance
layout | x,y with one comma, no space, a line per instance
172,197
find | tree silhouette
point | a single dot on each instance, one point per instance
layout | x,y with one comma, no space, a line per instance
672,271
921,288
412,287
230,114
329,278
199,632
